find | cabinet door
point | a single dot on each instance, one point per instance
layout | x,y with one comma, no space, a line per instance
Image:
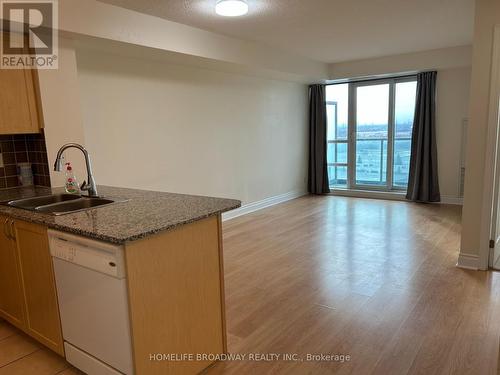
11,293
42,310
18,107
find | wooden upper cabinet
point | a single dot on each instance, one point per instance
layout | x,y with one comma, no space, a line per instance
18,102
11,292
42,310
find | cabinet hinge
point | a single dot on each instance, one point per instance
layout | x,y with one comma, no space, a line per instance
492,244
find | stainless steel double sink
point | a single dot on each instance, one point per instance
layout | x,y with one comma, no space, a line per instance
59,204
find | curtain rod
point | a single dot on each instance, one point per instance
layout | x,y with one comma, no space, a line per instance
357,80
377,78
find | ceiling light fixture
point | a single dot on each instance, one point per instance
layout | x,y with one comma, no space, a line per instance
231,8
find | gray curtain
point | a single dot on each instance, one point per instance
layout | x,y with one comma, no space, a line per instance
318,172
423,185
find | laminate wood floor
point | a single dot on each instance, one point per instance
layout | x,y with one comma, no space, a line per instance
372,279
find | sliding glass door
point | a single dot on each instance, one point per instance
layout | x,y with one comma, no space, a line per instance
369,133
404,112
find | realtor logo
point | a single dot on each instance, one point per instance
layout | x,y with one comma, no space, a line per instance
29,36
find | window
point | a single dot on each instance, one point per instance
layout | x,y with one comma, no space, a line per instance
337,134
404,111
369,133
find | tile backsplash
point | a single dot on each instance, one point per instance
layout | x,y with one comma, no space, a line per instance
23,148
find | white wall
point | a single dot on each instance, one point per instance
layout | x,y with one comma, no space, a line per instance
486,17
183,129
60,98
453,91
453,88
438,59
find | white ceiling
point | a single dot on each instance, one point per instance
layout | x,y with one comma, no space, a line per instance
330,30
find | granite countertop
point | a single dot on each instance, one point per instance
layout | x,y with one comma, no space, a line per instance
142,214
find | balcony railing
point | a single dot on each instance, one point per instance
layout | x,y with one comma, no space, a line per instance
371,162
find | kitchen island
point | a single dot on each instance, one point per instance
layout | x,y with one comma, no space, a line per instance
136,214
173,273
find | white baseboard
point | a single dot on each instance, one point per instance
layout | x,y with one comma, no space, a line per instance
468,261
264,203
390,195
450,199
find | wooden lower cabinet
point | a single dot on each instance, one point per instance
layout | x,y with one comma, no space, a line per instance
28,297
42,310
11,292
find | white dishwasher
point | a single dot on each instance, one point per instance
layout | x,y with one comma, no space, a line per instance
92,294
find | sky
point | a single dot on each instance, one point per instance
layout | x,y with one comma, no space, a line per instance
372,102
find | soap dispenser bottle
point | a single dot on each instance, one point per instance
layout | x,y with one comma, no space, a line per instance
71,185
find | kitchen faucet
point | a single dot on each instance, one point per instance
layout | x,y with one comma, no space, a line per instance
90,187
